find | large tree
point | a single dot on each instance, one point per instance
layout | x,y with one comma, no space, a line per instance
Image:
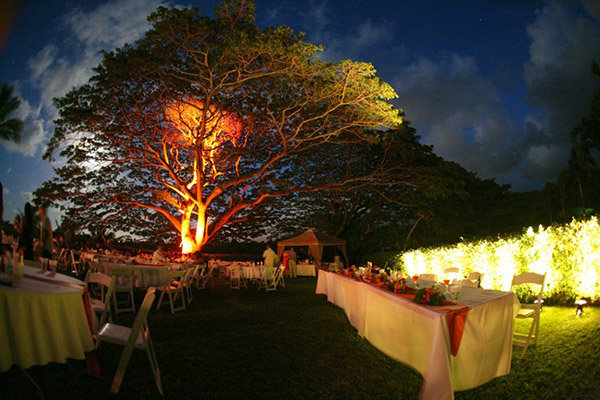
204,120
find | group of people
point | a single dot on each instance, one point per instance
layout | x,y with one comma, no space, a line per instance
44,245
289,260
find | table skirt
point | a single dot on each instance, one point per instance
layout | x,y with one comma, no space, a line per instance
419,337
33,328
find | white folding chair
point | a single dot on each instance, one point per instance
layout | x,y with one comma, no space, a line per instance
138,336
428,277
195,277
277,279
475,277
75,265
468,283
236,277
267,278
124,284
189,282
206,276
105,284
529,310
174,287
452,274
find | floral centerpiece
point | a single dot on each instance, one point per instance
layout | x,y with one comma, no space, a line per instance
429,296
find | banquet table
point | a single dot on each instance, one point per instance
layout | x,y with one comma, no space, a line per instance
248,271
419,336
143,275
306,269
43,319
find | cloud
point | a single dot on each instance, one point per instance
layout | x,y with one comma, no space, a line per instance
59,67
5,191
9,169
462,113
27,196
459,111
559,80
356,44
111,24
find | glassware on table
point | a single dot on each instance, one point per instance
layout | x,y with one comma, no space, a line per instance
454,292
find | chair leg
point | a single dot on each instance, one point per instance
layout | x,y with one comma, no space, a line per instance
171,302
115,302
132,301
154,364
160,299
121,368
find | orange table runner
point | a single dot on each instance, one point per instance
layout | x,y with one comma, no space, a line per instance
456,317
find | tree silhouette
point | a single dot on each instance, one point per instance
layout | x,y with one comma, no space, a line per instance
10,128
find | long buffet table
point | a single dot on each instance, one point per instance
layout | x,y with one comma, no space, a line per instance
419,336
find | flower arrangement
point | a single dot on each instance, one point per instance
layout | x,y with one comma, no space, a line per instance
429,296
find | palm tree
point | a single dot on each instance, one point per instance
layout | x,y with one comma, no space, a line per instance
10,129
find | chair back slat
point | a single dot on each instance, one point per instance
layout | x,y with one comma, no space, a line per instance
529,277
99,278
428,277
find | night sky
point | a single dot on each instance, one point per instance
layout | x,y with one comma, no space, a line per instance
494,85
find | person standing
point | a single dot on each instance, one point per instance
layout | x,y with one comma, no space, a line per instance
45,234
269,256
158,257
286,262
26,232
292,261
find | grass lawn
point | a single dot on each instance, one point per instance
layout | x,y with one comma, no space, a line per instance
293,344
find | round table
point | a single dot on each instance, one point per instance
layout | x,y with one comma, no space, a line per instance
143,275
42,320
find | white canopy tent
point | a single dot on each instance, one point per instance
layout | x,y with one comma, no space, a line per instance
315,241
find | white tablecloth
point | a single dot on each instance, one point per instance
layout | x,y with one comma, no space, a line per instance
306,269
248,272
418,336
143,275
41,322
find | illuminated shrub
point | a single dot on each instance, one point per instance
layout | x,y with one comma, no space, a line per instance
569,254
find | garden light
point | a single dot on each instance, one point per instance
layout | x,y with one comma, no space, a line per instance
579,307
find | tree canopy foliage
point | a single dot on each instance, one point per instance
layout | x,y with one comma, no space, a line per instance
204,120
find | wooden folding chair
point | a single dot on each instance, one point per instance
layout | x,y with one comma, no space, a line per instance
236,277
529,310
124,284
277,279
475,277
206,276
267,278
452,274
138,336
174,287
191,280
428,277
101,301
